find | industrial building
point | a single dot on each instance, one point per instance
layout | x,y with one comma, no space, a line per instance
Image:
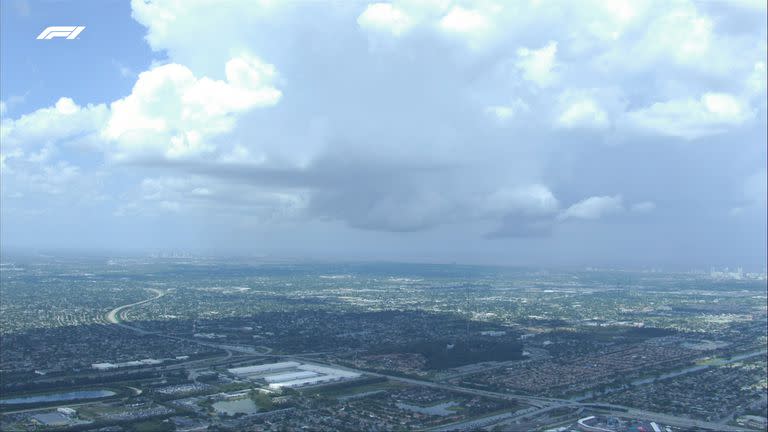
289,376
292,374
260,369
133,363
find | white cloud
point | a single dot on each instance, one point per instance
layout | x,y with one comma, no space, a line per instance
201,191
53,179
683,39
64,120
593,208
711,114
385,17
172,113
174,24
684,34
403,138
532,199
464,21
505,113
583,112
538,65
612,18
400,17
194,194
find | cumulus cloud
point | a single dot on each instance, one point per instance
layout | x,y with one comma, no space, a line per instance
526,211
684,34
63,121
538,65
478,116
505,113
533,199
583,112
594,207
470,24
172,113
195,194
385,17
689,118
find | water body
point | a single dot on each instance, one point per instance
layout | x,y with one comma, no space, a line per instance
439,409
58,397
237,406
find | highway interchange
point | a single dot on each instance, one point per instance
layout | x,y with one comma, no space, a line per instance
538,405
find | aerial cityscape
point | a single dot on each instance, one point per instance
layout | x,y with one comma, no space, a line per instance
383,215
204,344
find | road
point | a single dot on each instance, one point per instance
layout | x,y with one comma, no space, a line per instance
677,421
115,316
528,400
540,405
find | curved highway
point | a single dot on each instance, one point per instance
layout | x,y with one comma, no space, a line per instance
115,316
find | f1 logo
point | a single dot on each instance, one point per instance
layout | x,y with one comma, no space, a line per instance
68,32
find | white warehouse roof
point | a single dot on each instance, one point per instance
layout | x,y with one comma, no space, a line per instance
329,371
247,370
304,381
323,375
289,376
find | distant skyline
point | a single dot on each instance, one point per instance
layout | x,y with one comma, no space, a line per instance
15,255
590,133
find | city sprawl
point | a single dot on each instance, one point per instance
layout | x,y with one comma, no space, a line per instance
131,344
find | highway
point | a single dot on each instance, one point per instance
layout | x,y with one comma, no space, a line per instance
115,316
540,405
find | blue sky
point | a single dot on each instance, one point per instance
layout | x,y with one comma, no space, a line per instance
37,74
587,133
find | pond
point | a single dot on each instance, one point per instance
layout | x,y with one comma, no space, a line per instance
58,397
236,406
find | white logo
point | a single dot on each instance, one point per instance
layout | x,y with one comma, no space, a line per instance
69,32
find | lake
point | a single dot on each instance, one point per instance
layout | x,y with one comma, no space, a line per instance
58,397
237,406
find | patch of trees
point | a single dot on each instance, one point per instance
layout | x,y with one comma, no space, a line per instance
444,354
649,332
68,383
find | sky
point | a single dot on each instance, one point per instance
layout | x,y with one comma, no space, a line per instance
533,132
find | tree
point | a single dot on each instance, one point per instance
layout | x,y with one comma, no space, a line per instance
263,401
